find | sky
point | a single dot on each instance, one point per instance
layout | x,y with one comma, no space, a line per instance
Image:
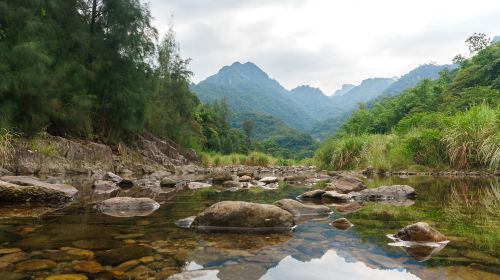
324,43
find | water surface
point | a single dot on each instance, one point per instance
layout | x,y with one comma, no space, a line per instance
465,210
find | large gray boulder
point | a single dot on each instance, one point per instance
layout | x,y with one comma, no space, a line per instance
420,232
240,216
395,192
298,209
24,188
128,206
346,184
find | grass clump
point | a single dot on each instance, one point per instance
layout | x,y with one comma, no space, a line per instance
7,137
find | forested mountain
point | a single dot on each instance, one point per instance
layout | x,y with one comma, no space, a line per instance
368,90
246,88
343,90
411,79
453,121
315,102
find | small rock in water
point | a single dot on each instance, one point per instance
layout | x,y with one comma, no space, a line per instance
186,222
342,224
346,184
128,206
91,267
4,251
112,177
35,265
420,232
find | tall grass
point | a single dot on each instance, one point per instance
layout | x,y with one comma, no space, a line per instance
252,159
7,137
473,138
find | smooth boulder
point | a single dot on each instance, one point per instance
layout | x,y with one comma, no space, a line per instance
240,216
24,188
128,206
269,180
298,209
420,232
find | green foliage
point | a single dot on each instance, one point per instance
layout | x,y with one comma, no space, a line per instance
212,159
426,125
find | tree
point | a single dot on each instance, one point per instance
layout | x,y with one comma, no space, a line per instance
458,59
477,42
248,126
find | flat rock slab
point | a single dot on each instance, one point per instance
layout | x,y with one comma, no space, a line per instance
335,196
25,188
240,216
128,206
395,192
315,194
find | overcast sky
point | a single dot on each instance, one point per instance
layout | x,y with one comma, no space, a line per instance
324,43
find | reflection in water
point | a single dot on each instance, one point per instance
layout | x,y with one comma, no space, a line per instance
332,266
466,211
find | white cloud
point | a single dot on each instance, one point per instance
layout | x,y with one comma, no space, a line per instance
324,43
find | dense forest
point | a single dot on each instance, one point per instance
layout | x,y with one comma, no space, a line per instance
97,70
451,122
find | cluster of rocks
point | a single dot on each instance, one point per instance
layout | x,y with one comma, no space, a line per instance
121,259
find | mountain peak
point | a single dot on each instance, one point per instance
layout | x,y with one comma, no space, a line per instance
239,72
307,90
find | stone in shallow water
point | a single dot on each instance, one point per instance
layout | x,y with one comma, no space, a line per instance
14,257
91,267
67,277
4,251
395,192
240,216
35,265
128,206
186,222
198,185
342,224
78,253
123,254
105,187
269,180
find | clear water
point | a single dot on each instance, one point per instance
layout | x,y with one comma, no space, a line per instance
465,210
